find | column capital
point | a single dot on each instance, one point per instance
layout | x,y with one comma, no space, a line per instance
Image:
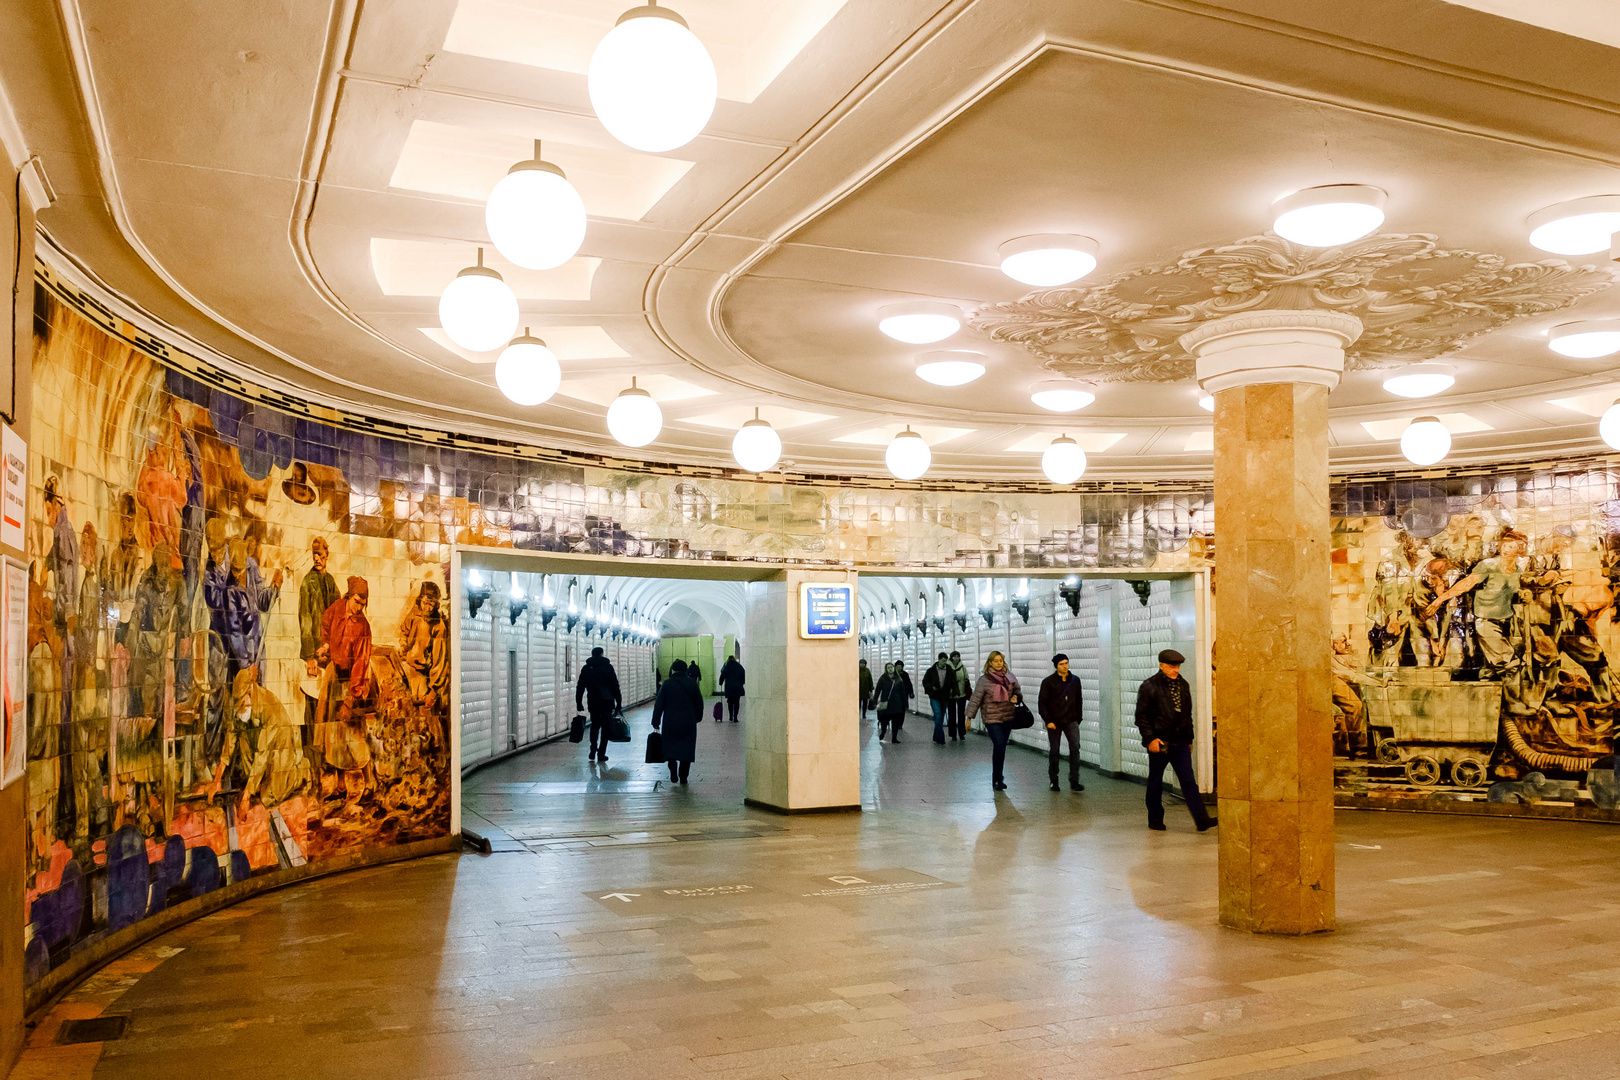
1271,346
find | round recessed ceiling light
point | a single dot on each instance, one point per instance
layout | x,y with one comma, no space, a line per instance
634,418
920,322
1609,426
1578,227
1425,441
651,81
908,456
1064,461
1586,340
1206,402
1048,259
478,309
1329,215
527,371
1421,380
1062,395
534,215
757,446
950,367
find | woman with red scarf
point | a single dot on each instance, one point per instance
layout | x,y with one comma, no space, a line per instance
996,696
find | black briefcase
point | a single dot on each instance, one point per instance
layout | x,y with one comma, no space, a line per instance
655,748
576,729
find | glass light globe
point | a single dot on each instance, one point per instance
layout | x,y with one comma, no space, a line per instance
1586,340
1048,259
1421,380
920,322
908,456
1609,426
1206,402
1578,227
527,371
950,367
478,310
651,81
1425,441
756,446
634,418
1062,395
1064,461
1329,215
535,217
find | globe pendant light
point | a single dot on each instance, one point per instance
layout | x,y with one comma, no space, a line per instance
651,81
1421,380
478,310
757,447
950,367
908,456
1328,216
1578,227
1586,340
634,418
1062,395
527,371
1609,426
1425,441
920,322
1064,461
1048,259
534,215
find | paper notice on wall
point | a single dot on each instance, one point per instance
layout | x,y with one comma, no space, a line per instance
13,488
14,669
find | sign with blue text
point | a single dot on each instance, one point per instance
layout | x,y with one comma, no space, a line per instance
826,611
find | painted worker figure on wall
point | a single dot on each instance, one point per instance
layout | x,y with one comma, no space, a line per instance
424,643
1496,582
345,691
1433,629
317,592
1351,729
62,568
237,600
1390,616
266,747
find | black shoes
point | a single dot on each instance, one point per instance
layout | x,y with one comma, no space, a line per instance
1159,827
1075,785
1055,786
896,737
1207,824
998,785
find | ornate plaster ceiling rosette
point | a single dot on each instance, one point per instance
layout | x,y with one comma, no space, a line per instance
1415,300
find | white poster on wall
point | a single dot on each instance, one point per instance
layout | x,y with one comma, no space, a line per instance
13,487
14,672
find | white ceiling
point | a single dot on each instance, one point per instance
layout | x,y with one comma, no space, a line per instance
292,186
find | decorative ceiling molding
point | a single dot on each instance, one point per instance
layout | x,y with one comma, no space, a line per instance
1416,301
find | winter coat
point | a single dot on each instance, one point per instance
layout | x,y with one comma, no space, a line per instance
986,700
1157,715
598,686
961,682
677,711
866,682
732,677
937,682
1061,700
893,694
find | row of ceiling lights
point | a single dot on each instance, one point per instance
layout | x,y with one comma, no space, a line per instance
653,85
631,625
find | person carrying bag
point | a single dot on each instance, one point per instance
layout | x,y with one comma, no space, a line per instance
998,698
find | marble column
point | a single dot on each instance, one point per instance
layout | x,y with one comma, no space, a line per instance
803,733
1270,373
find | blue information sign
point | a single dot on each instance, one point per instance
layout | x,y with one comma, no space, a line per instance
826,611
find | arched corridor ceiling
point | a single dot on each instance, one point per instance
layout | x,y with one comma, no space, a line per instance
291,186
668,605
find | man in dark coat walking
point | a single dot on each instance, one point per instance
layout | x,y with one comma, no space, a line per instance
1061,708
598,692
677,711
732,677
937,685
1164,717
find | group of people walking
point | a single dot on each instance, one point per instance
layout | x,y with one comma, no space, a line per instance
1163,718
677,707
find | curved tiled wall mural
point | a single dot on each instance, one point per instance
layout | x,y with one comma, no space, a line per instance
196,717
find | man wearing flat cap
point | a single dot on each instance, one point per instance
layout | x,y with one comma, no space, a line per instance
1164,717
1060,705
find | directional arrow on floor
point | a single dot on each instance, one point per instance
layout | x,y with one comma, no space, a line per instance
625,896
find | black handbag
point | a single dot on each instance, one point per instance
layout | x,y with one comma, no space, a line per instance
618,730
1021,717
576,729
655,748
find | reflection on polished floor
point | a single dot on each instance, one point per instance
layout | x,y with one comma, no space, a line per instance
635,931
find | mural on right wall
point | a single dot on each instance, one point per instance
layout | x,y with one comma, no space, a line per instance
1474,622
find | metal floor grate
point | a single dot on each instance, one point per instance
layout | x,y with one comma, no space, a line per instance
95,1029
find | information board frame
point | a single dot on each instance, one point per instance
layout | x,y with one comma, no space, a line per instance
818,619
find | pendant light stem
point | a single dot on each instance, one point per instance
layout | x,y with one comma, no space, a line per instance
537,156
480,258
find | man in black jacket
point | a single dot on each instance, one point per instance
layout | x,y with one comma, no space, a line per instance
598,692
1061,707
936,684
1164,717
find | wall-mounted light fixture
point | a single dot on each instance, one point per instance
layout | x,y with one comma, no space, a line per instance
573,608
590,612
987,605
548,603
517,601
1143,589
922,612
939,608
477,591
905,620
1070,591
1020,601
961,605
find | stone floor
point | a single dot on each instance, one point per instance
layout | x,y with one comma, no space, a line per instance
622,929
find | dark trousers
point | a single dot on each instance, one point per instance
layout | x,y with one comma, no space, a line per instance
1054,740
939,708
1179,757
600,728
732,705
956,718
886,719
866,703
999,734
679,770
